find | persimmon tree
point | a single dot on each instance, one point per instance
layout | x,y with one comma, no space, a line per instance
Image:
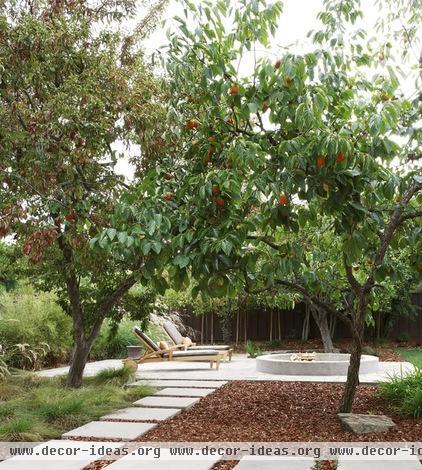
71,87
307,150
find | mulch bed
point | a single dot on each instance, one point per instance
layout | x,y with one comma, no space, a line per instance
245,411
278,411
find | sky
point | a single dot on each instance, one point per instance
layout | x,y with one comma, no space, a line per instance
297,19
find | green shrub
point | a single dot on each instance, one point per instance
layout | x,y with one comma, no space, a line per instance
114,339
403,337
38,325
404,393
252,350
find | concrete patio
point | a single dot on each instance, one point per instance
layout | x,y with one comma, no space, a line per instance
240,368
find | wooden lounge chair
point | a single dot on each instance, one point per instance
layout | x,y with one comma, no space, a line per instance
177,339
154,354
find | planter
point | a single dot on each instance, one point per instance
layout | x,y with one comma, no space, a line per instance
134,352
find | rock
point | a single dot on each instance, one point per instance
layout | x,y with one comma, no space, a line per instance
364,424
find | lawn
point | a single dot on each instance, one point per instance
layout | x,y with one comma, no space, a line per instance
412,355
35,409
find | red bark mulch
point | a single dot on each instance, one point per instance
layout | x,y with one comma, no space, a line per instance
279,411
245,411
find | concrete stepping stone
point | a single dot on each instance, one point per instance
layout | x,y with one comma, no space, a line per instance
179,383
166,461
373,464
252,463
109,430
167,402
141,414
76,455
184,392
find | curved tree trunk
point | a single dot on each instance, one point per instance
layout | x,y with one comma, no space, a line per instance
321,320
80,355
349,392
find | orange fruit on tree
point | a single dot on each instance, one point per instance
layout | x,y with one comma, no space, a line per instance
192,124
320,161
168,196
340,157
282,200
220,202
234,90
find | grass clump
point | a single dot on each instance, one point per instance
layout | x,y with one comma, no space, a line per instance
404,393
116,376
44,408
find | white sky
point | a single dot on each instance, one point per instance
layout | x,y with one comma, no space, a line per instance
297,19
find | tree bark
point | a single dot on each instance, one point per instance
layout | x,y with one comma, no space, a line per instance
320,318
349,391
305,325
82,340
80,354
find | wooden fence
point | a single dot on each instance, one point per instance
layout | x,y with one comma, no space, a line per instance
267,325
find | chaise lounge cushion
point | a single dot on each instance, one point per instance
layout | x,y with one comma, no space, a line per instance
205,352
146,339
216,347
173,332
177,338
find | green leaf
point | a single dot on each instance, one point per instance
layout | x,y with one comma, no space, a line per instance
253,107
151,227
111,232
226,246
146,246
156,246
181,260
122,237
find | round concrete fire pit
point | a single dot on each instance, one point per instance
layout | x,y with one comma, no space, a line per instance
323,364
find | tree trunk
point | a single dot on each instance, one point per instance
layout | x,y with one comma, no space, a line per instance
332,325
346,403
237,324
349,392
320,318
80,354
279,326
271,325
305,326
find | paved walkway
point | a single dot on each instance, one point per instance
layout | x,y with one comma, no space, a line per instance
240,368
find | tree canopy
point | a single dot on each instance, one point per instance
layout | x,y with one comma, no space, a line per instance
72,87
310,154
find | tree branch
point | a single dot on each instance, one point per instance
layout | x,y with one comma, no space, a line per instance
410,215
265,240
350,277
396,219
318,303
